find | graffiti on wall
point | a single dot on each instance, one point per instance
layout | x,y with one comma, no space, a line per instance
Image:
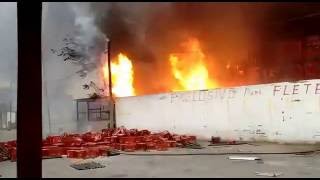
280,90
296,88
208,95
203,95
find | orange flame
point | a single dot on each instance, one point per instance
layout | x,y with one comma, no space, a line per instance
122,76
189,68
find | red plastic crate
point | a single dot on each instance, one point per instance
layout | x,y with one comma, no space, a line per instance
141,146
92,152
102,143
151,145
92,144
82,154
54,139
72,141
172,143
65,149
13,154
52,151
89,144
92,137
130,147
127,140
106,140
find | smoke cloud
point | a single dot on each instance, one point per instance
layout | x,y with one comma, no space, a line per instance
149,32
234,34
242,35
229,33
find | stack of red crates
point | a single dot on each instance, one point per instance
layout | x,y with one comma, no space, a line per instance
93,144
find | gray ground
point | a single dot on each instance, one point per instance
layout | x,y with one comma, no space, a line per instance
8,135
190,166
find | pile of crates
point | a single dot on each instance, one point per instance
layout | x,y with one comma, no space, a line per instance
94,144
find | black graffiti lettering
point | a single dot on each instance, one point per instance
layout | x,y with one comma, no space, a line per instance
275,89
307,87
294,91
246,90
232,93
284,91
210,96
317,88
194,95
202,95
222,93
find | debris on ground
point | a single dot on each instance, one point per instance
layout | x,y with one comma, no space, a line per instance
103,143
216,141
227,143
248,158
253,144
269,174
113,153
191,146
309,153
87,165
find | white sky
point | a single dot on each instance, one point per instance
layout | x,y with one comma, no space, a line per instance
8,52
8,43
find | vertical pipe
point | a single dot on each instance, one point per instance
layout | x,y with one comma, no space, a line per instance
110,83
10,124
88,110
109,69
47,100
77,106
102,64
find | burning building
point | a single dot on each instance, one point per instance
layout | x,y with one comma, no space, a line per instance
179,46
226,71
199,58
211,49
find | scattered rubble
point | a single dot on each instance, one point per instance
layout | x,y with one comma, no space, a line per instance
216,141
191,146
88,165
94,144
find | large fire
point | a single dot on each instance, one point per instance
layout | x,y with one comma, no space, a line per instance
122,76
189,68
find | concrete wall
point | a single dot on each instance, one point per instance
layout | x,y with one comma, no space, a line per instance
280,112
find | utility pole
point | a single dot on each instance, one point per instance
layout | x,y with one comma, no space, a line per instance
110,99
10,108
109,69
110,83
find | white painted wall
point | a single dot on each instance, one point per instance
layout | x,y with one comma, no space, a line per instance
279,112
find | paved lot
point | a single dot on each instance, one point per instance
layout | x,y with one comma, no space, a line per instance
8,135
190,165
